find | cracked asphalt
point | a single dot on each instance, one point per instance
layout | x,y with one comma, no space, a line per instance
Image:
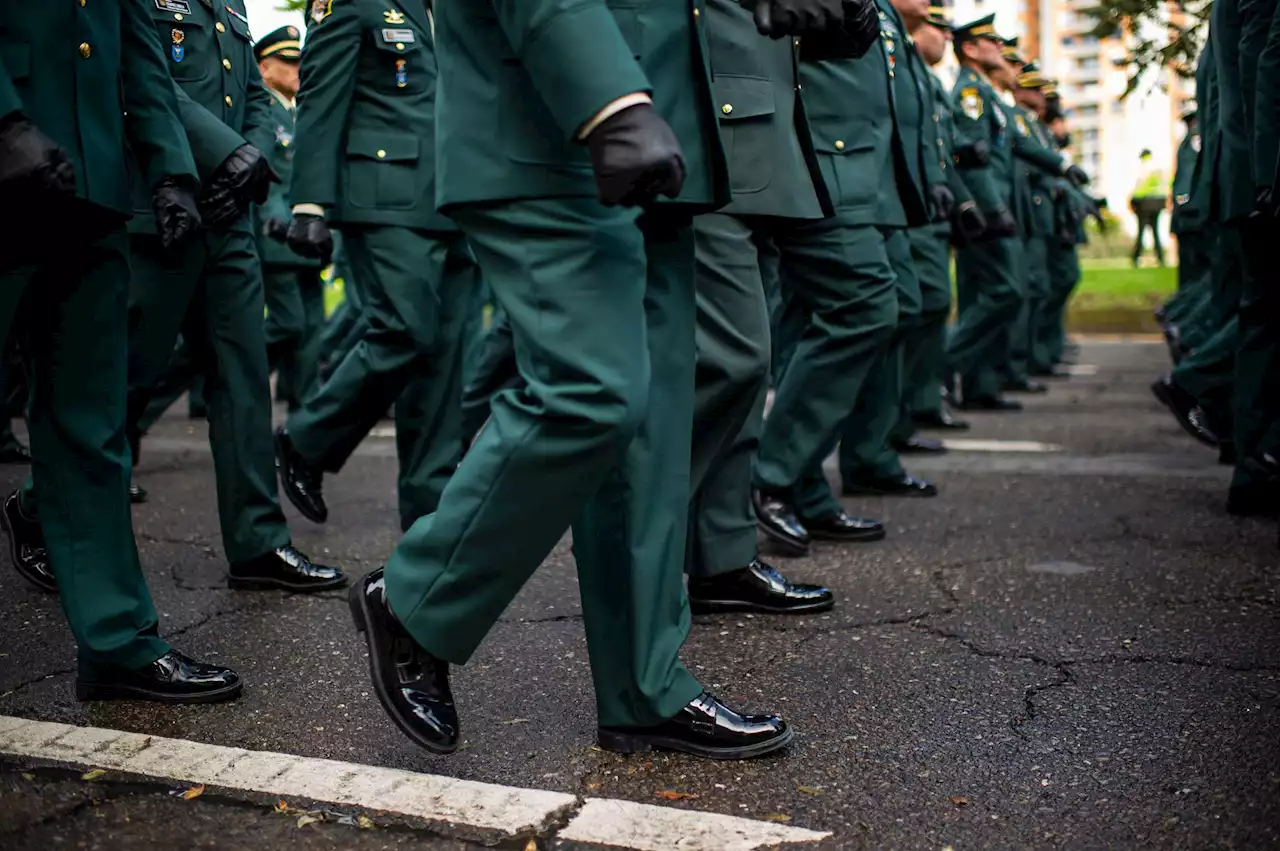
1076,649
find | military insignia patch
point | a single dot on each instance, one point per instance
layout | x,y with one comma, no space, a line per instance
321,9
283,137
971,103
1022,125
391,16
182,7
399,36
293,32
176,50
402,75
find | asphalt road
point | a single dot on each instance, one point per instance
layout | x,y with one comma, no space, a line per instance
1066,649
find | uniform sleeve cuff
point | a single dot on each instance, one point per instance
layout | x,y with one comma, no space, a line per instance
612,109
308,210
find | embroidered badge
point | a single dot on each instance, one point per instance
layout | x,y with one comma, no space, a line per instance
182,7
176,50
399,36
1022,125
402,76
283,137
391,16
321,9
971,103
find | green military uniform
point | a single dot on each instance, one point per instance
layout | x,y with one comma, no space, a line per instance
839,314
989,286
1062,259
212,290
291,283
89,77
776,187
865,448
364,143
601,305
1187,223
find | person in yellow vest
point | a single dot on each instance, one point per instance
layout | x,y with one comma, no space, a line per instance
1150,197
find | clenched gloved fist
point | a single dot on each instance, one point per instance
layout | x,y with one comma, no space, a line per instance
32,162
850,39
177,216
276,230
941,200
636,157
970,222
783,18
1002,224
244,178
974,155
1076,175
309,236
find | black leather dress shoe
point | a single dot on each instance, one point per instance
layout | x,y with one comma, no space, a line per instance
779,523
26,546
411,684
758,587
904,485
988,403
173,678
1027,386
137,494
916,445
705,728
1193,418
1227,452
288,569
302,481
843,527
941,420
15,453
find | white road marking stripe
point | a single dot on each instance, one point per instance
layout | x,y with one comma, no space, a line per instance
643,826
464,802
1082,369
972,445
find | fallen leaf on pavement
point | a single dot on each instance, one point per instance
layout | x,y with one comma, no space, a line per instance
365,822
531,845
304,820
672,795
193,792
781,818
282,806
92,775
810,790
26,775
960,800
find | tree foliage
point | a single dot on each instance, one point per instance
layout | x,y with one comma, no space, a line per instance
292,5
1158,34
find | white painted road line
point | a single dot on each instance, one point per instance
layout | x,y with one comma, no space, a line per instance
1081,369
970,445
508,809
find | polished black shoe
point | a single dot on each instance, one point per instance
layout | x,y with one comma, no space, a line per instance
137,494
173,678
705,728
779,523
758,587
917,445
1027,386
287,569
411,684
302,481
904,485
15,453
1193,418
941,420
26,546
988,403
1227,452
843,527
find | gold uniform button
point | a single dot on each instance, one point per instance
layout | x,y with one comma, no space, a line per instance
85,50
219,27
839,144
177,16
727,108
382,155
82,3
696,13
227,99
226,63
399,46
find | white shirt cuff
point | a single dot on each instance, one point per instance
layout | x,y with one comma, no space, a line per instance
308,210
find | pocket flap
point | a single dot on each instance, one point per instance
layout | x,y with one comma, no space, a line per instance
387,147
829,144
742,97
240,27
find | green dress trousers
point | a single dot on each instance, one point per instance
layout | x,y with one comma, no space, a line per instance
295,319
597,437
1035,278
931,252
989,292
416,287
211,291
1049,335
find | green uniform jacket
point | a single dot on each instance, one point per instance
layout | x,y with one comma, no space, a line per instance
1266,128
104,58
1238,30
520,78
979,117
1041,168
853,117
1204,194
909,81
773,169
366,115
947,140
280,154
1187,216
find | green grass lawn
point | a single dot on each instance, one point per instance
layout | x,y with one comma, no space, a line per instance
1115,284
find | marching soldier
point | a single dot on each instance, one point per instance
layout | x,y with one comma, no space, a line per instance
65,116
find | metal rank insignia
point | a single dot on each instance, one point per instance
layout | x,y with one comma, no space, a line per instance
176,50
391,16
321,9
402,76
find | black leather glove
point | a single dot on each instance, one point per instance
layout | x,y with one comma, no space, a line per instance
309,236
1076,175
1000,225
276,230
636,157
177,216
969,221
973,155
850,40
31,162
244,178
783,18
941,199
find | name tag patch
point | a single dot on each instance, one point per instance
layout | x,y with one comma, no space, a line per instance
180,6
399,36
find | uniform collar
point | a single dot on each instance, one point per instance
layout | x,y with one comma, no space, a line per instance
284,101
